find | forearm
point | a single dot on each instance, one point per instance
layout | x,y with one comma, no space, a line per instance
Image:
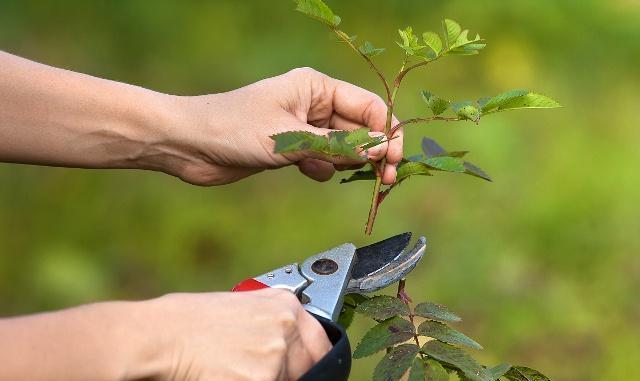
51,116
91,342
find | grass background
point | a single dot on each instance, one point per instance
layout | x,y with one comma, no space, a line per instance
542,264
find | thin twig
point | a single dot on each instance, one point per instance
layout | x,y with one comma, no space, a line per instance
423,120
405,71
344,37
404,297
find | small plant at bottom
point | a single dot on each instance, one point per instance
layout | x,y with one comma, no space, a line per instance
418,51
430,351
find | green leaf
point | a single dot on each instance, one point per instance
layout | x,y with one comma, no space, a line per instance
318,10
459,154
497,371
431,148
411,168
466,110
336,143
346,317
433,41
383,335
418,369
383,307
456,357
359,175
451,31
467,50
522,373
395,363
442,332
351,301
435,103
409,42
369,50
446,163
517,99
429,370
465,46
473,170
339,146
360,137
299,141
489,104
435,311
435,372
354,300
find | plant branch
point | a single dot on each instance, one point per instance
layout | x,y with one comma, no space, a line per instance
404,72
377,196
346,39
404,297
373,211
423,120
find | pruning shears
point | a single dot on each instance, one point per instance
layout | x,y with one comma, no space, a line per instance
322,281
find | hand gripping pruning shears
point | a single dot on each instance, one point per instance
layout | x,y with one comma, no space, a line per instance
322,281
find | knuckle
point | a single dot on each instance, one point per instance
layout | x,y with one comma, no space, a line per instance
304,71
277,347
287,297
173,297
286,319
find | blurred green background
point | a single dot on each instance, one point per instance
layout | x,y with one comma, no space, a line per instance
543,264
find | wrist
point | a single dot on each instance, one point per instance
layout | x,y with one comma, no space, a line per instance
176,135
139,341
151,134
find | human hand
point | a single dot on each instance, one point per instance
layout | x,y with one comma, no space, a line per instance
262,335
225,137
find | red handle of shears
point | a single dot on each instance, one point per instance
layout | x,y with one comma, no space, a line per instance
249,285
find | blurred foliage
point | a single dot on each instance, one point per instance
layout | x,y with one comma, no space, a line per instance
543,263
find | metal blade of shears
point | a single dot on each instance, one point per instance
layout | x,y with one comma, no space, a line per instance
383,263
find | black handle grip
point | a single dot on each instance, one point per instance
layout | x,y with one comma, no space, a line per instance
336,364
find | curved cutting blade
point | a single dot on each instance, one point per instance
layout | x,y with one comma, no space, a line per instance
384,263
372,258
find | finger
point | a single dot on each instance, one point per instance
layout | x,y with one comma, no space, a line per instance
389,174
394,155
356,104
395,150
313,336
298,360
338,122
318,170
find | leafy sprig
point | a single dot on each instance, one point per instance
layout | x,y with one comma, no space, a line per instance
336,143
418,340
418,50
428,351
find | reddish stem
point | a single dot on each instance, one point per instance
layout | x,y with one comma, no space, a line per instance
404,297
